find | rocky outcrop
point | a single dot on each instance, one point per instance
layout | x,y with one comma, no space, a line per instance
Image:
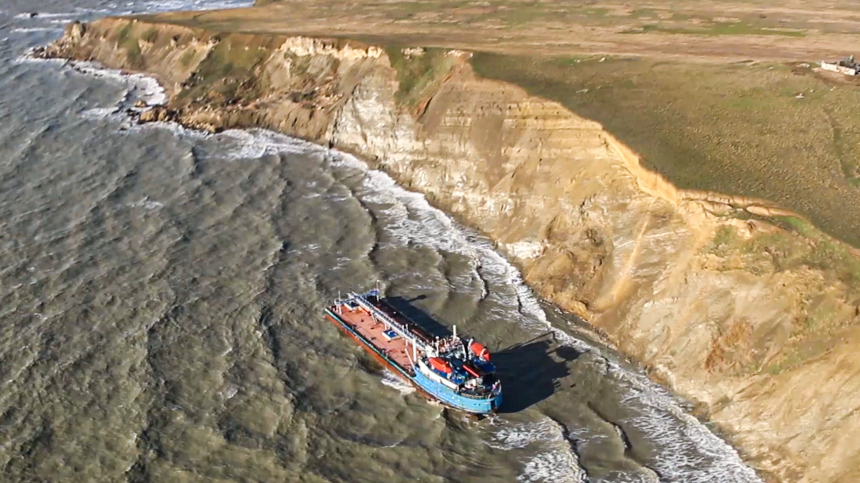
752,320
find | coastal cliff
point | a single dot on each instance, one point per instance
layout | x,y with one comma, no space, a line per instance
739,306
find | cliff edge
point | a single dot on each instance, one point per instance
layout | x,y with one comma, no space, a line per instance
745,309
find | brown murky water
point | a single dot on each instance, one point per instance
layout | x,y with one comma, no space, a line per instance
160,310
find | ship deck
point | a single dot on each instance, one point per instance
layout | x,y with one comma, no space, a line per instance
396,349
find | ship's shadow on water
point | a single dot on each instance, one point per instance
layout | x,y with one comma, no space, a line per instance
530,371
418,316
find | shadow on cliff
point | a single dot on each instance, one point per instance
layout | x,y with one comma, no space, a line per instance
530,371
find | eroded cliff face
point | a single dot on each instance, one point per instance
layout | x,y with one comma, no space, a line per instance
727,308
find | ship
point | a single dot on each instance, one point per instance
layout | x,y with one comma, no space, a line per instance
453,370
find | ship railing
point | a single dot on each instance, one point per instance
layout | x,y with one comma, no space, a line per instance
484,394
388,321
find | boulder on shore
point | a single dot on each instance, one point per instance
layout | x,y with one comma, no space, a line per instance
156,114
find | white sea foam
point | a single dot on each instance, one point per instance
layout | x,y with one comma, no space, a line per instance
515,436
170,5
100,113
42,15
658,415
29,30
413,220
525,249
256,143
29,59
228,392
147,204
139,86
390,380
556,461
437,230
178,130
553,467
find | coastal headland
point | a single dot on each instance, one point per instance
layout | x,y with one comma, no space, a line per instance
684,184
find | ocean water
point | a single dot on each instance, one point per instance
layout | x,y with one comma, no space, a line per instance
160,309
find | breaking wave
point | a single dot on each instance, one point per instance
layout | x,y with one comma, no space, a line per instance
555,463
392,381
29,30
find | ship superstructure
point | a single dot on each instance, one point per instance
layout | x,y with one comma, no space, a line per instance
453,370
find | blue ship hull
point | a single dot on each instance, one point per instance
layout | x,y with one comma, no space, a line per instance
446,396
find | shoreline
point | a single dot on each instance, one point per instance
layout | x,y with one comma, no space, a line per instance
586,231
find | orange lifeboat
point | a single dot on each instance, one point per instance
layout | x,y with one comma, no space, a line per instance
479,350
440,364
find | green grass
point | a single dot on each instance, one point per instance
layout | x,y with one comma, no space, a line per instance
644,13
124,33
187,58
127,41
798,245
724,238
132,48
597,12
226,76
519,17
795,355
719,28
150,35
825,253
418,74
